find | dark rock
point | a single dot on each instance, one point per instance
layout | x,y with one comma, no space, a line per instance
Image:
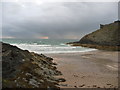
108,84
94,85
82,85
75,86
21,68
101,26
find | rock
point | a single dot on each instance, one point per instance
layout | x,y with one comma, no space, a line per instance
24,69
108,84
94,85
82,85
75,86
105,38
54,63
98,87
61,80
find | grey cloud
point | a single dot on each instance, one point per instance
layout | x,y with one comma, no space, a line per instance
56,20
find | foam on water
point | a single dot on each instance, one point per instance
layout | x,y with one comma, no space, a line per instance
52,48
47,46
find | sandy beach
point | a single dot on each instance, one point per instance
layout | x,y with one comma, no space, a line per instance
93,69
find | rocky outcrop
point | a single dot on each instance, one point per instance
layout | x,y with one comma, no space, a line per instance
107,37
24,69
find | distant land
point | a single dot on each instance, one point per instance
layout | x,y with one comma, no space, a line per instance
105,38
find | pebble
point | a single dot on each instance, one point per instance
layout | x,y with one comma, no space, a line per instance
108,84
94,85
82,85
82,76
75,86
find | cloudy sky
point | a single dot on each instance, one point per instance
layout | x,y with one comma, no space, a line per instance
55,20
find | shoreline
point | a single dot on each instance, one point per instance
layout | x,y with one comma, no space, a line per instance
80,69
91,69
100,47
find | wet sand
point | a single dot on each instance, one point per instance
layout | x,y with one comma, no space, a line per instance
93,69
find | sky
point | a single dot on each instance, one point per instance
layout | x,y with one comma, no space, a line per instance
55,20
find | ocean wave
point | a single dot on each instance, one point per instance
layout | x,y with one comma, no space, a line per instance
63,51
34,44
45,48
62,44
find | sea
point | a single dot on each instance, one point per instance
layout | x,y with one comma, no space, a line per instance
47,46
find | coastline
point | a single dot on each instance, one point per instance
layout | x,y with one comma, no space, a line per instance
92,69
100,47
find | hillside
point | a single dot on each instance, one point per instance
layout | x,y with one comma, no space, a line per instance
24,69
106,38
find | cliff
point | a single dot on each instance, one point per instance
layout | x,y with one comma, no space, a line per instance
24,69
106,38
